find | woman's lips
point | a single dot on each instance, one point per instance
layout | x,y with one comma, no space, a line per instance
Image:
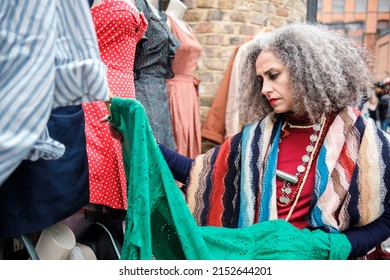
272,101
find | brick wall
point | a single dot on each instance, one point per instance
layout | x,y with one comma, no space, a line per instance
222,24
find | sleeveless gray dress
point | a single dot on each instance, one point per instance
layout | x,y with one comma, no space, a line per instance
152,66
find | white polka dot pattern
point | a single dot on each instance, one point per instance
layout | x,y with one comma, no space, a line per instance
119,27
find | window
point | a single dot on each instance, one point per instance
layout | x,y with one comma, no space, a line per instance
383,5
382,27
338,26
355,26
354,30
360,6
338,6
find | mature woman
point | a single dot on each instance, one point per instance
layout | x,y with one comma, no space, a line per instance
312,159
307,155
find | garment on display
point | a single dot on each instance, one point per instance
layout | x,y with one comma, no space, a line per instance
152,67
119,27
183,91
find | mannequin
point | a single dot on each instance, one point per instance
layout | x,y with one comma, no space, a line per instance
152,66
154,5
176,9
183,87
119,26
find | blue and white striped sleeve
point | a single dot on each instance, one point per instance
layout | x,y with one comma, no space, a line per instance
48,58
27,72
80,73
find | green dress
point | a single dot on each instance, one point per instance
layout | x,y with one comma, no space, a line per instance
159,223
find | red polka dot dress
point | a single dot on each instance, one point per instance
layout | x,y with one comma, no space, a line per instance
119,26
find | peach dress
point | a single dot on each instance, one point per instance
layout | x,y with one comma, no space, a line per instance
183,93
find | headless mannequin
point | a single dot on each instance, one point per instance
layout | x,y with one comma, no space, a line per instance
154,5
176,9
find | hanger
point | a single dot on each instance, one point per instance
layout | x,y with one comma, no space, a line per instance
108,103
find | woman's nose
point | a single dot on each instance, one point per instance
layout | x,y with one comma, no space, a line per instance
266,88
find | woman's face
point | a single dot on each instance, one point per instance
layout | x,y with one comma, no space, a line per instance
275,82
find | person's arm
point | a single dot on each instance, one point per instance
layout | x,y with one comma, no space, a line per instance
365,238
80,74
179,165
26,77
46,61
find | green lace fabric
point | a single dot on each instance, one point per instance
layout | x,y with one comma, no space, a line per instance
159,223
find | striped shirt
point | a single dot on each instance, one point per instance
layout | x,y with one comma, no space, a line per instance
49,58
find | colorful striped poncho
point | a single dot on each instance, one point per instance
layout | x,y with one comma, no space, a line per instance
234,185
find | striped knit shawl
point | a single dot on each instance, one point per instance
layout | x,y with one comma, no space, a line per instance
234,184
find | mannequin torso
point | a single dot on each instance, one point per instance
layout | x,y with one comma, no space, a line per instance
176,9
154,5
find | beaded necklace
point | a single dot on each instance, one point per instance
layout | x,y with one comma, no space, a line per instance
289,196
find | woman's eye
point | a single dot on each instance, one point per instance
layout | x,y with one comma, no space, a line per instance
273,76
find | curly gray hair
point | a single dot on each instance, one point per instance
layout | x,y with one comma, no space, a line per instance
327,70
